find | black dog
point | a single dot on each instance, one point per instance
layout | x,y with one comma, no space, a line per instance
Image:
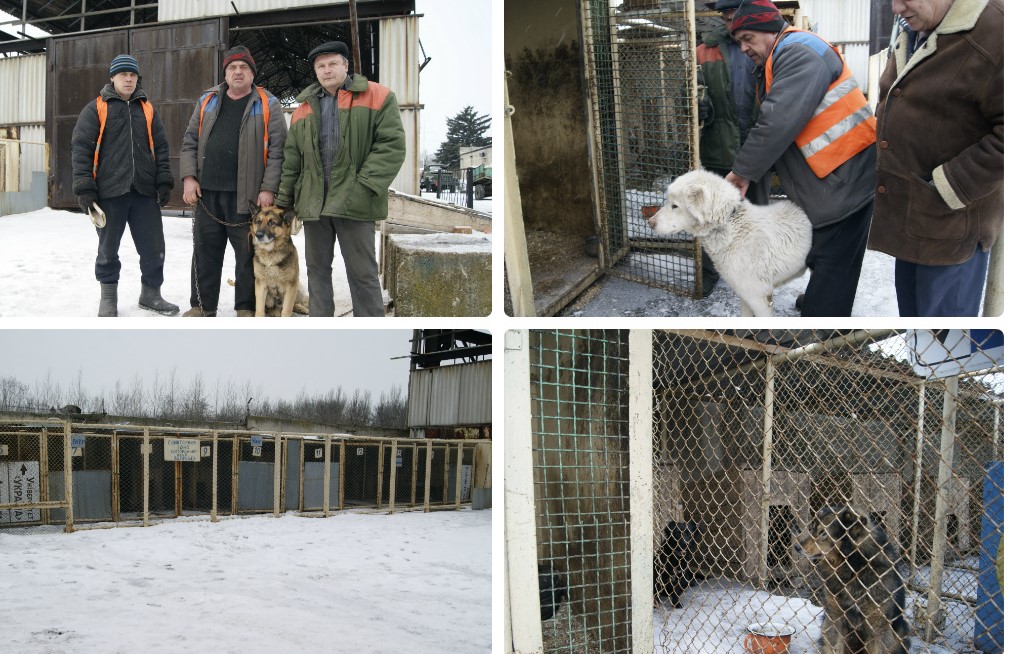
676,561
553,590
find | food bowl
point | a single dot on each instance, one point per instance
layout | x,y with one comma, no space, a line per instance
649,210
768,638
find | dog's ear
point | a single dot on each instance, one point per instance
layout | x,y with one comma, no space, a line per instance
697,198
289,216
253,208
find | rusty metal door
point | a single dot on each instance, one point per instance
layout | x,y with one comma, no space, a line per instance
176,62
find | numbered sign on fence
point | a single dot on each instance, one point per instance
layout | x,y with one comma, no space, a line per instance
77,440
936,353
182,449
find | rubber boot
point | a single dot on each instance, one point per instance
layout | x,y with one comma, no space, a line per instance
108,306
150,299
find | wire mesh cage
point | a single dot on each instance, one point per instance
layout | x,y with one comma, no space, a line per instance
838,490
642,87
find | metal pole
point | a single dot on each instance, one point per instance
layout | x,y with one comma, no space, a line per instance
325,475
392,478
147,475
918,450
765,487
213,481
277,468
68,477
944,478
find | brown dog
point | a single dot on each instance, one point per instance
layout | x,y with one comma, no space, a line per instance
275,263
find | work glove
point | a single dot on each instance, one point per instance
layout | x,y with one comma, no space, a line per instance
704,110
86,199
164,191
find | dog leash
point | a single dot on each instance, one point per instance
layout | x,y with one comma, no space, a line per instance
196,274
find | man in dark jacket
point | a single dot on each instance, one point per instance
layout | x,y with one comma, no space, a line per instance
119,151
345,148
231,156
727,109
816,130
939,189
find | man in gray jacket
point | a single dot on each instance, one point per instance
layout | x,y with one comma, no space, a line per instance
119,151
816,130
232,153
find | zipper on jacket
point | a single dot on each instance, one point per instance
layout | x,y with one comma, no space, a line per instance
133,160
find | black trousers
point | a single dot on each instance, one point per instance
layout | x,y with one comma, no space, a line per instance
835,262
210,240
143,216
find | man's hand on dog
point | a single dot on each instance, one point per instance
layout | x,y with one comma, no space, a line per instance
265,199
191,190
739,182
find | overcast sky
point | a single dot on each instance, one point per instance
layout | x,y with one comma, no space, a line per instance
279,362
456,34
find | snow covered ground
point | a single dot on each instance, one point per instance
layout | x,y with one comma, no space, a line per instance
47,267
409,582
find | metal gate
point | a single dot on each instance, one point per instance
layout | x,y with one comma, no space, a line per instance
641,68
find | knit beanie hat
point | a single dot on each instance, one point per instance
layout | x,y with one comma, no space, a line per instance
239,53
758,16
123,63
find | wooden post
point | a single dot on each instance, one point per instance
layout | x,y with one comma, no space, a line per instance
213,484
327,445
343,471
301,477
427,478
413,478
640,465
381,473
525,630
178,488
146,451
943,481
236,450
444,483
458,477
116,493
392,477
277,469
765,487
44,471
68,477
354,40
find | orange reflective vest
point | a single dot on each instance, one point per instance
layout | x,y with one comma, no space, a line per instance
841,127
266,119
103,114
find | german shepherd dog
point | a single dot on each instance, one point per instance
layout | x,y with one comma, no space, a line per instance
275,263
862,591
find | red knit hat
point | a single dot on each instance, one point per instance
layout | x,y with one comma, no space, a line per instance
239,53
758,16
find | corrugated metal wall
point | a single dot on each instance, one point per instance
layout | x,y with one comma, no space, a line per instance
190,9
450,396
398,40
23,90
845,24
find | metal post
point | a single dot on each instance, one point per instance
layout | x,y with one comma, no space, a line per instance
765,478
640,466
213,483
326,474
379,475
392,478
68,477
944,478
916,506
343,471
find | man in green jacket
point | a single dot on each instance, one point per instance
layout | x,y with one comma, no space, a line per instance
345,147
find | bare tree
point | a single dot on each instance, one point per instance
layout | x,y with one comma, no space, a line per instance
391,409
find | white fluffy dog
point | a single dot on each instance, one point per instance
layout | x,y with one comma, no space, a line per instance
755,248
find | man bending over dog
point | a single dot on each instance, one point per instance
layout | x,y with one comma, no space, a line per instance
232,152
347,145
815,128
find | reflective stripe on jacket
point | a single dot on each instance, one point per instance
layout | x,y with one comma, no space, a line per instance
102,107
843,124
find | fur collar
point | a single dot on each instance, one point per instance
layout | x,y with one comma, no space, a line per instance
962,16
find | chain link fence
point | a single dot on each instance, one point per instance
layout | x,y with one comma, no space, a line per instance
642,85
20,161
135,475
792,472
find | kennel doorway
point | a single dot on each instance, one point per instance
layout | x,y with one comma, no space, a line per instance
641,65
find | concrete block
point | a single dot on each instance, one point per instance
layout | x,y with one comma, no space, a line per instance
439,274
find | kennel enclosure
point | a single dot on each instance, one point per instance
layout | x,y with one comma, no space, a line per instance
744,436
